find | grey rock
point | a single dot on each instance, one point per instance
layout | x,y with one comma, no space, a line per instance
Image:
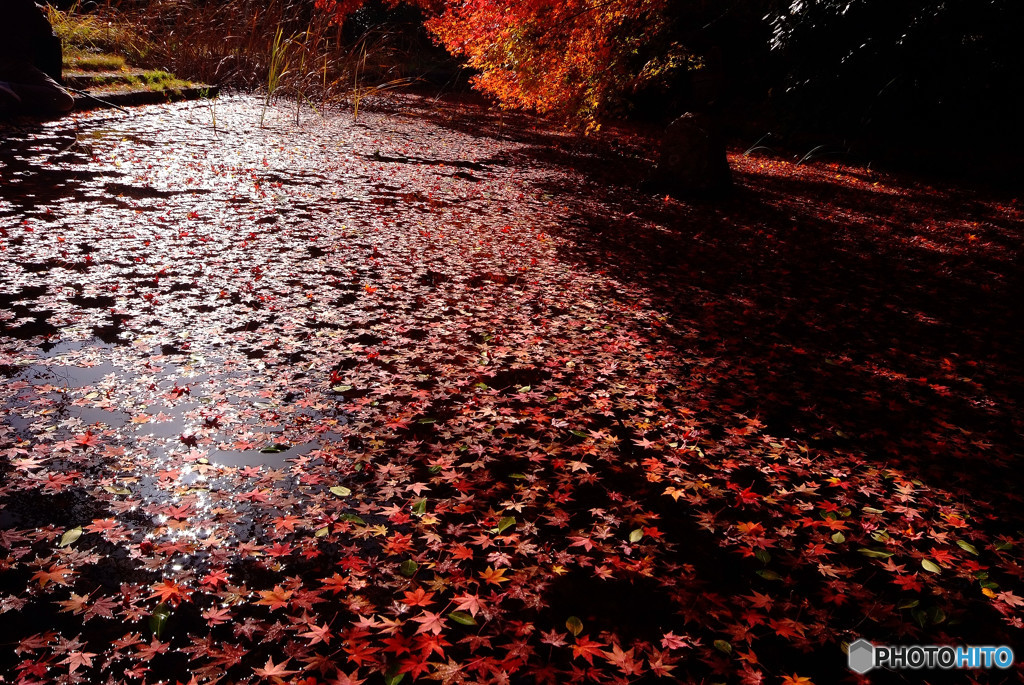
692,158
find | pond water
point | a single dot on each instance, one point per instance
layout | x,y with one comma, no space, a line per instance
175,272
339,374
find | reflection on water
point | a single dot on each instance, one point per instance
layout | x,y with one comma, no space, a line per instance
184,286
77,386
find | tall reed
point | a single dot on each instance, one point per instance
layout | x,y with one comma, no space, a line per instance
286,47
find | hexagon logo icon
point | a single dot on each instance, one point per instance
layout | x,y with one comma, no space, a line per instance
861,656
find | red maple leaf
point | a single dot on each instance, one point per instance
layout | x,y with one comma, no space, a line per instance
430,622
468,602
276,672
360,651
347,679
625,661
908,582
429,644
672,641
587,648
217,615
318,634
1010,598
215,578
76,660
747,496
87,439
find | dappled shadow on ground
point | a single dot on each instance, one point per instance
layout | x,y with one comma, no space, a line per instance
862,313
842,305
438,393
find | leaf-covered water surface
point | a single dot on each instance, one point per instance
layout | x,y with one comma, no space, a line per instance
438,395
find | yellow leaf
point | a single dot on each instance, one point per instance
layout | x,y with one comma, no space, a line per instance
70,536
496,576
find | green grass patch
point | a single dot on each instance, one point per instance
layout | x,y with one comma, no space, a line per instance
91,61
148,80
161,80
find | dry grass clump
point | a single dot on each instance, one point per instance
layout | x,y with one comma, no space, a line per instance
280,47
95,32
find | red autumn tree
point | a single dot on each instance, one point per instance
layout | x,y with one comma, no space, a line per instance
572,58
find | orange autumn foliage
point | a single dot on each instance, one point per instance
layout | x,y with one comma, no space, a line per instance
569,59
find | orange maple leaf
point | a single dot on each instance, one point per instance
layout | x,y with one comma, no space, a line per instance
496,576
796,680
275,599
56,574
335,583
76,605
417,598
170,592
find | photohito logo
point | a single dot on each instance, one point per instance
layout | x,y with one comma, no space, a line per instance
864,656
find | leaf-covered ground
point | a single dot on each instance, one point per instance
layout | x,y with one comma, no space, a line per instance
438,395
